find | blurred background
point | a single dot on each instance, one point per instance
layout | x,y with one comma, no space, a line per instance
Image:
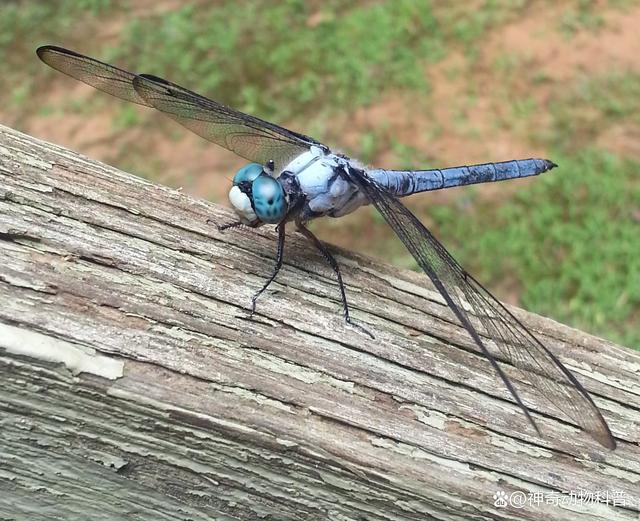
398,84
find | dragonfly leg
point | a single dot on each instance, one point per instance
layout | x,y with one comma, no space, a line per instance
276,268
336,269
223,227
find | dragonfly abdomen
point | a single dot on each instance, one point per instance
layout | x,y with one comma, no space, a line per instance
407,182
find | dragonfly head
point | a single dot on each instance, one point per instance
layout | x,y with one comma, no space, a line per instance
256,196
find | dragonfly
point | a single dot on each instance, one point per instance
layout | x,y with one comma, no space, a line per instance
293,178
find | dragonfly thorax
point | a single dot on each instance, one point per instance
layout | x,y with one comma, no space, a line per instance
256,196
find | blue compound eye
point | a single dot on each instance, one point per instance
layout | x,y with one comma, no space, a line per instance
268,199
247,173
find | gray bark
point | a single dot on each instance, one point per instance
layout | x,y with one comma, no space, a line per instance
135,385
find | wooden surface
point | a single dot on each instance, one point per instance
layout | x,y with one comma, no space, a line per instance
135,386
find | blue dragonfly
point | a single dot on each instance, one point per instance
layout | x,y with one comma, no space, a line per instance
292,178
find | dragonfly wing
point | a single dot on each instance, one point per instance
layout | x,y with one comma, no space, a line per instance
100,75
499,335
249,137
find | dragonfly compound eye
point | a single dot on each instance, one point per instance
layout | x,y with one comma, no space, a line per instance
247,173
268,199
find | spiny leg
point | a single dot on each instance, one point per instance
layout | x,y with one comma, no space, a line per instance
223,227
276,268
336,269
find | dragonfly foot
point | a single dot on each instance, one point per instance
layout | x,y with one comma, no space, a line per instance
359,328
252,310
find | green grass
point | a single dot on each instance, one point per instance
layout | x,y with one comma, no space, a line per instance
467,24
293,58
587,15
281,59
593,106
584,15
26,25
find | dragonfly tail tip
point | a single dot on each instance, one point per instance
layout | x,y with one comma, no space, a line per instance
549,165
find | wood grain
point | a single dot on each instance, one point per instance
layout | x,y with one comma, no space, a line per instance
136,386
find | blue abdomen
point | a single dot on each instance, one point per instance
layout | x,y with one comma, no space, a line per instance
407,182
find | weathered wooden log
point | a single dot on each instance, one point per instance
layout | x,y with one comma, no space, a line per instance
136,386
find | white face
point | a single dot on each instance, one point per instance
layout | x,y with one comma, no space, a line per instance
242,206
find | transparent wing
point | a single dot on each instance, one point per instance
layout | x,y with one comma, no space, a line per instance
509,340
249,137
102,76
